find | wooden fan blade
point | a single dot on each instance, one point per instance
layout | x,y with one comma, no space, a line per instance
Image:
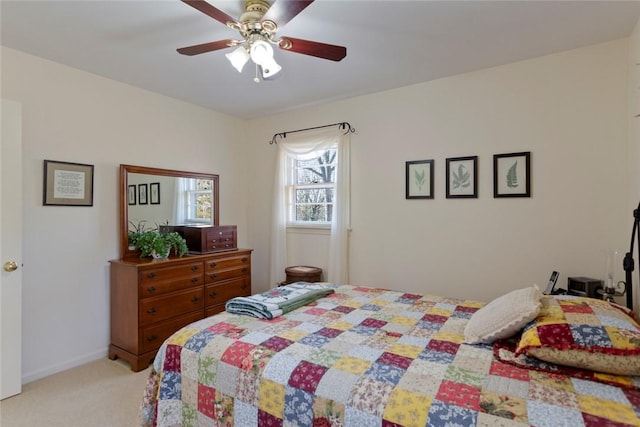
317,49
283,11
209,10
205,47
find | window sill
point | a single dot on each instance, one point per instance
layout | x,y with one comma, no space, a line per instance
309,229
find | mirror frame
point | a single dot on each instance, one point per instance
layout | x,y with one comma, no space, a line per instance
125,252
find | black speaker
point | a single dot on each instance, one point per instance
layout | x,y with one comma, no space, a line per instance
584,287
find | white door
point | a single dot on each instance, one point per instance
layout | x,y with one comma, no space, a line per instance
10,249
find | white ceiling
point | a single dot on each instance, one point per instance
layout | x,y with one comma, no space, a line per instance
389,44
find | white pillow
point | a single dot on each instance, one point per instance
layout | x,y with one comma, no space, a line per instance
504,316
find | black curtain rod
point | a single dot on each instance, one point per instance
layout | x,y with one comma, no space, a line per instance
345,126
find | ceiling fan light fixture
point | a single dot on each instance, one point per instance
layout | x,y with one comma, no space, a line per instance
238,58
261,52
270,69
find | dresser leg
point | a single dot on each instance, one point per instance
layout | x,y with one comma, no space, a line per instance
137,363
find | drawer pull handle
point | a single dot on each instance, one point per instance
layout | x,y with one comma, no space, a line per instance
194,280
244,259
151,275
244,270
244,286
152,338
212,265
151,289
213,295
213,276
152,311
195,300
194,268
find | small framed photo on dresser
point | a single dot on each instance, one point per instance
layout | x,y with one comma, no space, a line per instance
142,194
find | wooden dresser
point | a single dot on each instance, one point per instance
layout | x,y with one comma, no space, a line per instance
150,300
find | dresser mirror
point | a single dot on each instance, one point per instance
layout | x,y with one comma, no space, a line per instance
152,197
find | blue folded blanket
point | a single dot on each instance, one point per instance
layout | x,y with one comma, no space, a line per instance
275,302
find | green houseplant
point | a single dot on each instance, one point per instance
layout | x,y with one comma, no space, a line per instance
135,231
159,245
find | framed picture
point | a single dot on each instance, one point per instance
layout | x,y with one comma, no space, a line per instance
512,174
132,194
462,177
142,194
419,179
154,193
67,184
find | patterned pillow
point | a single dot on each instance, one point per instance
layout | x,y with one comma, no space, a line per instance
504,316
584,333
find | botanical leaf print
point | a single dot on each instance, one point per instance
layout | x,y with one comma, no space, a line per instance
512,175
419,178
461,178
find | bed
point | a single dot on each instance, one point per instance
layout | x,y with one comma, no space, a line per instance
374,357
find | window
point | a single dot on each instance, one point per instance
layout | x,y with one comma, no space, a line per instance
198,197
311,188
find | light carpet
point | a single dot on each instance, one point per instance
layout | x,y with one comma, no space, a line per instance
103,393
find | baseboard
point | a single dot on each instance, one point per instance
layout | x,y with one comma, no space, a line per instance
33,376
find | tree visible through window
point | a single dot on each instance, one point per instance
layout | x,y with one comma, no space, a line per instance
200,201
312,187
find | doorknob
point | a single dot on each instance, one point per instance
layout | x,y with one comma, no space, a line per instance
10,266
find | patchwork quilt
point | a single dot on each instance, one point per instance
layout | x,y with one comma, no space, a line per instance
364,357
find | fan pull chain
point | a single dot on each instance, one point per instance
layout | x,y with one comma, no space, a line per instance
256,79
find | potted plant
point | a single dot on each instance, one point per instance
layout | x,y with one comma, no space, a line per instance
135,231
159,245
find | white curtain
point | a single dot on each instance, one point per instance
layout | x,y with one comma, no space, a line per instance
180,208
298,146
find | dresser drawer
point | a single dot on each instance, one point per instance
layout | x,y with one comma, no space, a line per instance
216,276
160,308
222,292
159,288
223,263
162,273
153,336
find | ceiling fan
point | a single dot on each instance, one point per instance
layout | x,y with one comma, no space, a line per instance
258,26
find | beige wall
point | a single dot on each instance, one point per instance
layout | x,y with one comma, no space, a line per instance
568,109
70,115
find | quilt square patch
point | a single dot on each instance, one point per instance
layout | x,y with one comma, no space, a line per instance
508,371
314,340
306,376
590,336
369,396
271,402
443,346
277,343
298,406
170,386
384,373
329,332
406,408
373,323
503,406
443,413
402,362
206,396
236,353
462,395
